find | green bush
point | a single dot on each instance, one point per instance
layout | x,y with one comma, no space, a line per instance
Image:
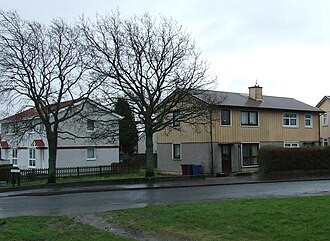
275,159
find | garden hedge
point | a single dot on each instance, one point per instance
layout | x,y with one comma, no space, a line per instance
275,159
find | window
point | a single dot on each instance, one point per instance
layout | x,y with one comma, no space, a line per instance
325,119
249,118
32,128
41,127
225,117
176,118
91,154
14,157
250,152
90,125
324,142
32,157
176,151
290,120
291,144
308,121
12,129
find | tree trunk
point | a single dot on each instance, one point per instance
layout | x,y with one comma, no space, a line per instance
52,152
149,152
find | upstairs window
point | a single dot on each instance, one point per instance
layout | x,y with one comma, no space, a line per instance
249,118
325,119
12,129
90,125
225,118
32,128
290,120
308,121
176,118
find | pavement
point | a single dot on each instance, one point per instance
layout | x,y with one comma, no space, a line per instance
143,183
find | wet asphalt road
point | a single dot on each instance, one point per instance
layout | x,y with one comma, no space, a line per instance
90,202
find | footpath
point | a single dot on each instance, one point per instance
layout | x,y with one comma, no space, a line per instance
141,183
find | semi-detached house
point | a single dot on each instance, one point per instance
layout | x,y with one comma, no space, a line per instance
24,142
241,124
324,105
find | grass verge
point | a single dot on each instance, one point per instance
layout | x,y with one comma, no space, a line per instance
279,219
299,219
50,229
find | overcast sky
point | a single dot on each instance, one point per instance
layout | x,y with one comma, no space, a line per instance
283,44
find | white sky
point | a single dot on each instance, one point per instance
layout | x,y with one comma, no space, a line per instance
284,44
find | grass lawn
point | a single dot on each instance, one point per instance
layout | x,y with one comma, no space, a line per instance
301,218
297,219
51,229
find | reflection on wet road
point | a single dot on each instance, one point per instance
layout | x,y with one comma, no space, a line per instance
111,200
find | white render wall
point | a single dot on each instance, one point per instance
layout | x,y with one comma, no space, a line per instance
66,157
72,151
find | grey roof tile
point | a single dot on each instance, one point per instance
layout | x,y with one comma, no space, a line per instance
231,99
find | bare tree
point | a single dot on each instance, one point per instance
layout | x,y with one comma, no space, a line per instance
148,61
44,67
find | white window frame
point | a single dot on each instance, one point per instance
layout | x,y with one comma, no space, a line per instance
324,141
90,123
310,119
290,118
230,117
41,127
14,156
91,157
325,119
32,157
291,144
12,129
32,128
180,151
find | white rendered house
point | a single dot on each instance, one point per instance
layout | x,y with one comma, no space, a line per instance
91,138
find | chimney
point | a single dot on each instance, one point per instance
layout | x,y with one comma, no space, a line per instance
255,92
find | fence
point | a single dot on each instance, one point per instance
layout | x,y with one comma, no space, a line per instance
42,173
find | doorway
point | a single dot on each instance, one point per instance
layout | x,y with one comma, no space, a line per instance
226,158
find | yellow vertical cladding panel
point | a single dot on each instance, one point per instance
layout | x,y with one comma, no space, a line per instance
185,133
270,128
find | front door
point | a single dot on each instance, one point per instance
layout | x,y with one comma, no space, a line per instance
226,158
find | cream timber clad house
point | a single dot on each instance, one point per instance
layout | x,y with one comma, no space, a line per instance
88,139
239,125
324,105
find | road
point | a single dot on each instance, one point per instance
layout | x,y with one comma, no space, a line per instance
78,203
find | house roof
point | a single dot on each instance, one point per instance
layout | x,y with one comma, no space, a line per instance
32,112
231,99
4,144
29,113
39,144
327,97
